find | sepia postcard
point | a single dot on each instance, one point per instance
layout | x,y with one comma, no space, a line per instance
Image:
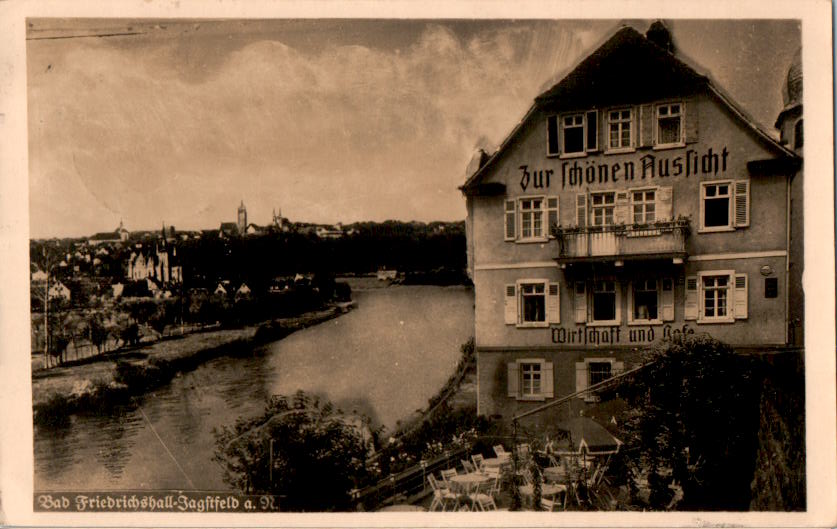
417,264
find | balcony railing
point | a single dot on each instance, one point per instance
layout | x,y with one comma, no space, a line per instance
640,241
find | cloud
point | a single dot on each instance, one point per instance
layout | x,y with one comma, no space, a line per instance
347,133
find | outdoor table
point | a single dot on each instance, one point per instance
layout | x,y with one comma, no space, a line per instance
464,484
496,462
547,491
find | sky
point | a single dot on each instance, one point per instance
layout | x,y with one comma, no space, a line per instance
178,121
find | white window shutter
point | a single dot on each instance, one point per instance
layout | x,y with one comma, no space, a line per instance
580,377
740,296
617,368
581,210
509,229
630,302
513,382
553,303
664,200
667,299
510,304
551,215
622,210
548,385
647,124
580,302
742,203
690,108
691,298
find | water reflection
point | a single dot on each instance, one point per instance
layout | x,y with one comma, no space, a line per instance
383,360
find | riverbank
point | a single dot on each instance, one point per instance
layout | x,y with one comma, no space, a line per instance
115,377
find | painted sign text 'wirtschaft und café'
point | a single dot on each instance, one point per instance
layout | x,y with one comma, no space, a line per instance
578,173
614,335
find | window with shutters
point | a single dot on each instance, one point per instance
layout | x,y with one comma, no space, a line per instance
532,303
722,296
724,205
620,130
598,372
602,207
531,379
669,128
594,371
572,135
645,301
644,204
529,219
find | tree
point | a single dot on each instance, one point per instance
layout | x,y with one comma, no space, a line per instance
98,331
318,454
693,421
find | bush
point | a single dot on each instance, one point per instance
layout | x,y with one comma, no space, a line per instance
693,423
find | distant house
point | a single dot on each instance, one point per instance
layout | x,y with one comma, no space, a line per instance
243,291
39,276
384,275
59,290
253,229
220,290
117,235
118,289
228,229
161,264
329,232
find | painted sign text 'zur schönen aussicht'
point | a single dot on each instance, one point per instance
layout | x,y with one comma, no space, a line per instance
579,172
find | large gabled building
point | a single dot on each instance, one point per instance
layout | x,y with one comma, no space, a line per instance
635,201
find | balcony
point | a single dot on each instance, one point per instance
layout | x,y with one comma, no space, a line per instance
658,240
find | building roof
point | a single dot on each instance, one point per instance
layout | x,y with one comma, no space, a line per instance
598,80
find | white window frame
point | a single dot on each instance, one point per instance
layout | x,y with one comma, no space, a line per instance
617,312
604,206
622,122
543,233
547,379
632,320
682,115
644,202
521,364
730,226
520,305
563,135
730,297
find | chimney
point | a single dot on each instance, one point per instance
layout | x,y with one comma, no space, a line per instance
659,34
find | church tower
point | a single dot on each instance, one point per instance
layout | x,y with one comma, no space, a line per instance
242,218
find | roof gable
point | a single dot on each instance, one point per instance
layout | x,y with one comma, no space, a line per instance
626,68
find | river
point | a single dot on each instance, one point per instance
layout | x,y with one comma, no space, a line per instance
385,359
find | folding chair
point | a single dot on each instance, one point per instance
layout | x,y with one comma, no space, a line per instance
549,505
499,451
494,484
442,496
478,460
484,502
447,474
468,466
